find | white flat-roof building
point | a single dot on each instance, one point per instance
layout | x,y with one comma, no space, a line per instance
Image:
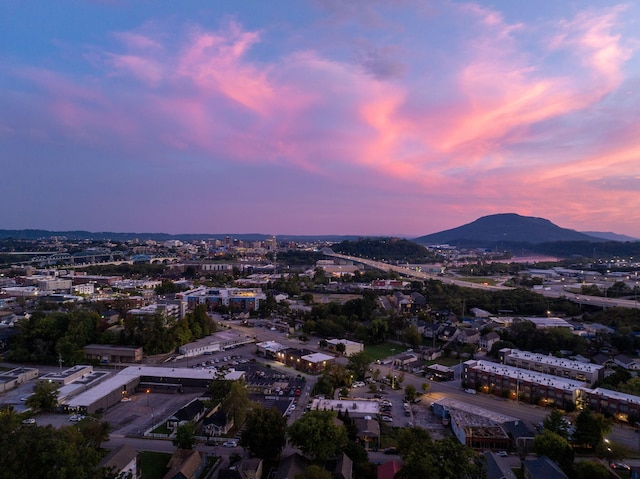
218,341
270,349
566,368
110,391
549,322
350,347
356,407
67,376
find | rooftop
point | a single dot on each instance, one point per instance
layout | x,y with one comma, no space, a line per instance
525,375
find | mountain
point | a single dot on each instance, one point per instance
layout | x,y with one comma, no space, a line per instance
610,236
506,228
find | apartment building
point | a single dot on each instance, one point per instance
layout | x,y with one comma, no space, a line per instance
561,367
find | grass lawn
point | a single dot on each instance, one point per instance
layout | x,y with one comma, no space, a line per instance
154,464
479,280
384,350
162,429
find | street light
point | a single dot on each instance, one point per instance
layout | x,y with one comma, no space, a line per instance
148,391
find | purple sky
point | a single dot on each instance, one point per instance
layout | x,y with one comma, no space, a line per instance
318,117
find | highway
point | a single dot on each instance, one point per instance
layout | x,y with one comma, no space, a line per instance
410,273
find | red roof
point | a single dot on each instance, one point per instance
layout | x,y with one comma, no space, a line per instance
388,469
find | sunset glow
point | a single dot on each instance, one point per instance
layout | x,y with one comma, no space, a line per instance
318,117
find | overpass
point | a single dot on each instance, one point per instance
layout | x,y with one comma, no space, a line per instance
413,274
410,273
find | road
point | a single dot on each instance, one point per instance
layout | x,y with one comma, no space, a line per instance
581,299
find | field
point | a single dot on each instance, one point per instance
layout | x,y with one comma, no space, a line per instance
384,350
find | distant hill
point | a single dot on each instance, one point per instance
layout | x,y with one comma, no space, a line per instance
610,236
390,249
33,234
506,228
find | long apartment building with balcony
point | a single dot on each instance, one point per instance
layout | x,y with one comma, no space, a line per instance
520,384
561,367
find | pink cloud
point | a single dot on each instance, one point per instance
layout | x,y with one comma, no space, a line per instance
205,94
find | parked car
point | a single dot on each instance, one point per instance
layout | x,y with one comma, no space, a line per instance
620,466
29,421
387,418
232,443
502,453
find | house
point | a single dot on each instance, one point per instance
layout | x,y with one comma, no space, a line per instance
122,461
430,330
542,468
368,432
343,468
486,341
603,360
389,469
192,412
448,333
251,468
291,466
418,302
185,464
430,354
468,336
480,313
405,360
496,469
520,434
625,362
217,423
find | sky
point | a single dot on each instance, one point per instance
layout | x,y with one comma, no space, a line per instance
310,117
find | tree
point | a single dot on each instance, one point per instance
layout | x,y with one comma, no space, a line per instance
425,387
323,343
341,348
556,422
555,447
314,472
590,428
591,470
185,436
37,451
265,433
236,402
379,330
359,364
410,392
94,432
44,397
316,434
447,459
412,336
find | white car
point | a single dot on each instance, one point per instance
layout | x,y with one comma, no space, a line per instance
387,418
29,421
230,444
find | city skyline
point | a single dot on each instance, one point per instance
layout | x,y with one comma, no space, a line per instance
318,117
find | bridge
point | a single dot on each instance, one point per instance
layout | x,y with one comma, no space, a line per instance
76,261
